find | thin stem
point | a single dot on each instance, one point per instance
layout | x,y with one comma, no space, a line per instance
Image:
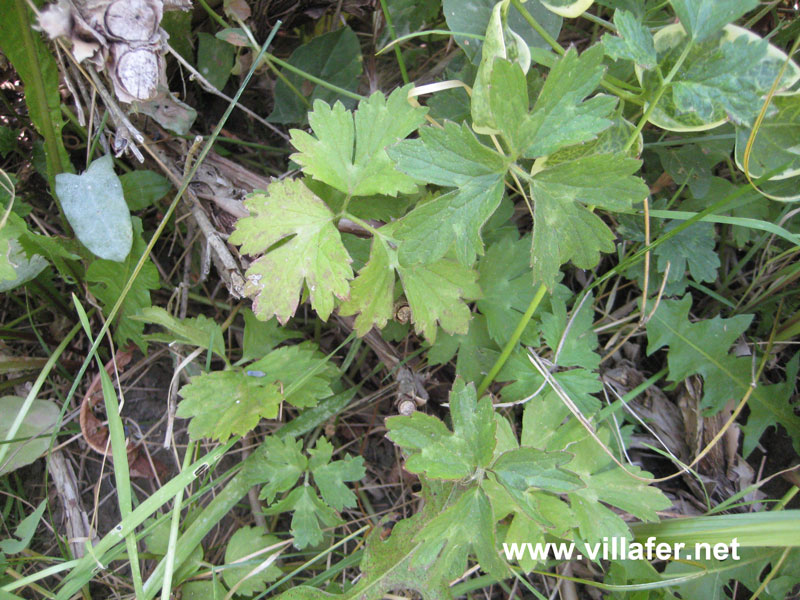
312,78
660,92
538,28
400,62
512,342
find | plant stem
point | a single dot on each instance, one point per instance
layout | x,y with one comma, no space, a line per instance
400,62
538,28
511,344
312,78
660,92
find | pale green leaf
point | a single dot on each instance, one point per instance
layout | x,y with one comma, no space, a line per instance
225,403
569,9
95,207
372,292
348,150
311,252
436,294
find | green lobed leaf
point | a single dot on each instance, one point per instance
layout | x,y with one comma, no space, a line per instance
572,336
260,337
330,477
440,453
476,350
603,180
562,116
633,42
310,514
283,464
334,57
197,331
604,480
723,77
523,468
302,372
703,18
348,150
436,294
467,524
225,403
312,251
771,407
451,157
372,292
701,349
95,207
694,247
507,284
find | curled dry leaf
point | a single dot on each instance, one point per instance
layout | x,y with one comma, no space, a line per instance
96,434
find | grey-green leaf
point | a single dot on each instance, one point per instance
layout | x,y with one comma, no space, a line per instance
95,207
